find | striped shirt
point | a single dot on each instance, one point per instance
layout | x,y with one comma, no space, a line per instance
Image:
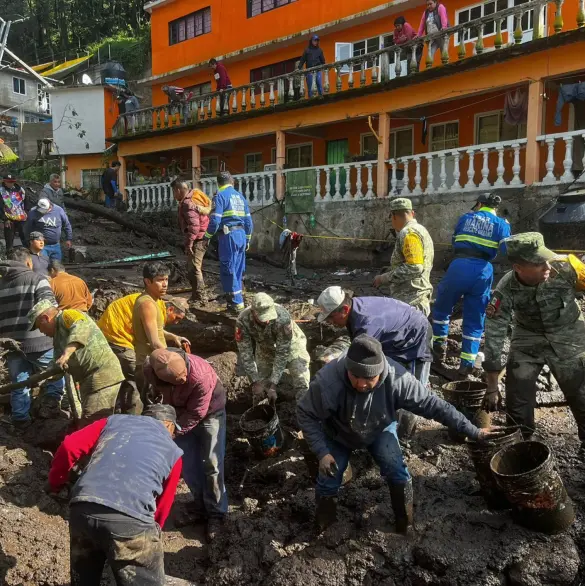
20,290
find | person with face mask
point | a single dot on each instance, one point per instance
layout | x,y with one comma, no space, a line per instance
409,275
351,404
538,297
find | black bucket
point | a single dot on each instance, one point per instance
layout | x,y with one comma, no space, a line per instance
467,397
261,426
525,474
481,456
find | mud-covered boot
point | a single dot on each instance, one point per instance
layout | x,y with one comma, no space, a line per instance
465,369
326,512
402,502
439,351
407,423
50,408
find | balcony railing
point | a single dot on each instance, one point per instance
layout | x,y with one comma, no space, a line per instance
350,74
563,141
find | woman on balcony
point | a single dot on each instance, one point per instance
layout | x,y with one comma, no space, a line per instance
403,33
434,19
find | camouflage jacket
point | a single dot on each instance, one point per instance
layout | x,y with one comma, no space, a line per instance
281,339
545,317
94,358
409,275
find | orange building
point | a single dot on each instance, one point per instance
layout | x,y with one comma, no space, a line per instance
479,115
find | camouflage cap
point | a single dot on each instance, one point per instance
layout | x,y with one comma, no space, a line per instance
263,307
400,204
530,247
39,309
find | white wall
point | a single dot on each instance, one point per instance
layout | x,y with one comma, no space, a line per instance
9,98
84,107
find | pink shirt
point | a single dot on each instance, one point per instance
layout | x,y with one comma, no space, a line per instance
406,34
442,15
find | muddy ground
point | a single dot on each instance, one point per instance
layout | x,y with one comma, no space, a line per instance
269,538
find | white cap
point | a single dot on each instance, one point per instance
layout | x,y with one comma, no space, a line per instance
44,204
329,301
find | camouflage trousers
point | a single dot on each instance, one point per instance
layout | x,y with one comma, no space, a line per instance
526,359
132,548
298,372
97,402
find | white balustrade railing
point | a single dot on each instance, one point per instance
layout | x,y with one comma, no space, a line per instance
258,188
441,171
155,197
571,169
343,182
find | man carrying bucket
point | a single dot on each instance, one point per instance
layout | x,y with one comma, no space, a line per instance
351,404
189,383
539,296
270,342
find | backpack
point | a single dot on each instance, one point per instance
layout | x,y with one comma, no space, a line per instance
13,204
200,199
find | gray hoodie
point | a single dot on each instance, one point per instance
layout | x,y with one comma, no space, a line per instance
54,196
333,408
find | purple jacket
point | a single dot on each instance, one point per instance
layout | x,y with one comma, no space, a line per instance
200,396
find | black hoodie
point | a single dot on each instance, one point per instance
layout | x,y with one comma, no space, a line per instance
313,56
20,291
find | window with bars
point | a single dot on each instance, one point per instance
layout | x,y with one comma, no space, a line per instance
256,7
209,166
91,178
199,90
254,163
297,156
444,136
190,26
491,127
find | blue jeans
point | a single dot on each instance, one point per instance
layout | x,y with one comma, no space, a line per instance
110,201
20,369
232,264
310,84
386,453
52,251
204,454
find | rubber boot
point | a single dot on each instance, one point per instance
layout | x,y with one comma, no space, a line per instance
439,351
407,424
402,502
326,512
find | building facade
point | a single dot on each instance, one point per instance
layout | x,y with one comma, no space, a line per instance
491,109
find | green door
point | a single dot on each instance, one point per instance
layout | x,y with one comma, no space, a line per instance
337,151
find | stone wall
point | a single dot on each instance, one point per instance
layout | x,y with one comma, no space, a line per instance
369,219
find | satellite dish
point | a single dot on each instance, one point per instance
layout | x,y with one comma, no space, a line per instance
86,80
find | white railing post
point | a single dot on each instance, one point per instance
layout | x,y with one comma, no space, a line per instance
443,173
550,178
262,96
430,187
393,179
384,66
248,191
272,190
516,168
347,181
327,184
456,172
397,63
272,97
318,186
358,182
370,192
500,168
405,178
485,170
567,176
417,177
337,172
470,185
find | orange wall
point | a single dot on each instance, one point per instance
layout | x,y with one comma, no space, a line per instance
76,163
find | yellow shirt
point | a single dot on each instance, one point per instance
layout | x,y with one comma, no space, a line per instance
116,321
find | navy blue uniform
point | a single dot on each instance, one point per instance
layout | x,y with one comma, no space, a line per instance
231,218
476,241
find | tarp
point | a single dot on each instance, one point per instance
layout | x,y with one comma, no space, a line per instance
65,68
40,68
300,191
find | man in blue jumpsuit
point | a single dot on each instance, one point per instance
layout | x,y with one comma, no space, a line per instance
476,240
231,217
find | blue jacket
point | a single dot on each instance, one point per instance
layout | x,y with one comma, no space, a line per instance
482,231
230,209
49,225
128,467
401,329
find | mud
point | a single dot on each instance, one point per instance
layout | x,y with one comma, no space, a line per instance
255,424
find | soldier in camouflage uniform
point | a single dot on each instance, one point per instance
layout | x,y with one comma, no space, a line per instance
269,341
538,296
84,352
409,274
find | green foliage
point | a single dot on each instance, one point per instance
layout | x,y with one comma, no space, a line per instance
40,171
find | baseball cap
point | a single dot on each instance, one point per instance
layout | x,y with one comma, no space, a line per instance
161,413
530,247
37,310
168,366
400,203
44,204
36,236
315,38
329,301
9,178
263,307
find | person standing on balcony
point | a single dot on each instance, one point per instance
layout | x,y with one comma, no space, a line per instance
476,241
222,82
132,105
12,212
403,33
409,274
434,19
50,220
110,184
231,218
193,216
313,57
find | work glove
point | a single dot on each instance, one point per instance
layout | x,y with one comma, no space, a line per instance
328,466
492,400
491,433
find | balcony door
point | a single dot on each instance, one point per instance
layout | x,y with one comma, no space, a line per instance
337,152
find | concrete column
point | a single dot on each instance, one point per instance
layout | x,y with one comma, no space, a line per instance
196,163
533,129
383,154
122,177
63,171
280,161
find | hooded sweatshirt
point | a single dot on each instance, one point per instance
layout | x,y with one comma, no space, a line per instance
55,196
313,56
333,409
50,224
20,290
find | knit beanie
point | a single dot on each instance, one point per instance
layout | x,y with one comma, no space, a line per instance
365,357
